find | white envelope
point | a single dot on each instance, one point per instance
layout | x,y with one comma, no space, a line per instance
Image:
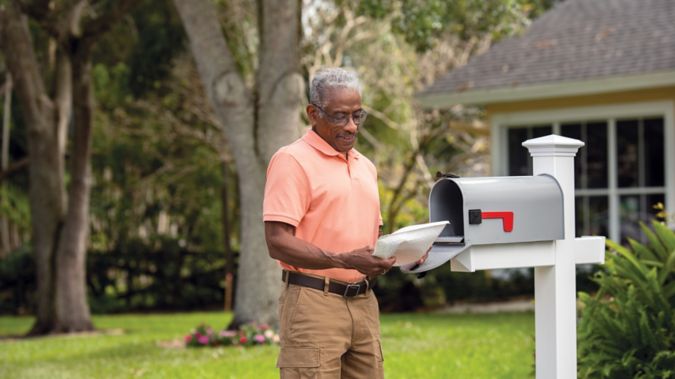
409,244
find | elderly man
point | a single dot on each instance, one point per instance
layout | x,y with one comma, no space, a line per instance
322,218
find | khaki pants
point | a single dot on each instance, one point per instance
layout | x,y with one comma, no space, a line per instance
324,335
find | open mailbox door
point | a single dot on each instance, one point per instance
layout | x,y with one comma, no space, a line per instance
492,210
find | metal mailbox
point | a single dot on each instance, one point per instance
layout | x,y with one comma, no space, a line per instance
513,214
493,210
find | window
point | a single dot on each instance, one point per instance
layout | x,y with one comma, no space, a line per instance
519,159
620,174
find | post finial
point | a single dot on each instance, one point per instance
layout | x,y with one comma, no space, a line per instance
553,145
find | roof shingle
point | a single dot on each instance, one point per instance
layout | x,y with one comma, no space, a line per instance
576,40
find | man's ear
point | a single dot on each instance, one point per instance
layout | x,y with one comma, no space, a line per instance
311,114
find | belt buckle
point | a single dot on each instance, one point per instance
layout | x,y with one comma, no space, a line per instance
349,287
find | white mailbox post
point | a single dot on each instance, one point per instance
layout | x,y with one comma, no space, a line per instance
511,222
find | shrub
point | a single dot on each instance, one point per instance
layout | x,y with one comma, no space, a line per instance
17,282
626,328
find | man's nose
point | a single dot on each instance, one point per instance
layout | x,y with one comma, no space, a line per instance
351,127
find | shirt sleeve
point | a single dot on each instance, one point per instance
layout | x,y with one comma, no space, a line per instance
287,190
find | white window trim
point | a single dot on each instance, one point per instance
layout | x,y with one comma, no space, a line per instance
501,121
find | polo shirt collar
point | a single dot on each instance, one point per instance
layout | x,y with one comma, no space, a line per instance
315,140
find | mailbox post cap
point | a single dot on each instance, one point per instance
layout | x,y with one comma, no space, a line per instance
553,145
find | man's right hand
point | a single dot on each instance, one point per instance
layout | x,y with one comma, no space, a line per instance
363,260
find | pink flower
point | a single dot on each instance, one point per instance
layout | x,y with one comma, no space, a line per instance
188,338
204,340
228,333
264,327
259,338
243,340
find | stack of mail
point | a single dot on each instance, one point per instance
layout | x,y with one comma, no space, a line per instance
409,244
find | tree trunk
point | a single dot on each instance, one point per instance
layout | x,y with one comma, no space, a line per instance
227,245
59,238
279,87
5,242
72,310
46,192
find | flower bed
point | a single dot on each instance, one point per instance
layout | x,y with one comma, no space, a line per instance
248,335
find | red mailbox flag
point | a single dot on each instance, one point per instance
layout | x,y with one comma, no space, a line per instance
507,219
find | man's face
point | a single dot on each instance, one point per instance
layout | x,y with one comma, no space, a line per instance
339,103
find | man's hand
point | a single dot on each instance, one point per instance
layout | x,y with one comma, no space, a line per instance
363,260
421,260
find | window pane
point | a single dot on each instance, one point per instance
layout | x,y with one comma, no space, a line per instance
627,153
636,208
581,216
541,131
599,216
654,159
571,130
596,154
592,216
518,156
629,216
574,131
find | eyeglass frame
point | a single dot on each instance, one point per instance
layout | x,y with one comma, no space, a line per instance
331,117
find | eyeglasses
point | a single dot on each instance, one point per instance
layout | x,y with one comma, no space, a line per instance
342,118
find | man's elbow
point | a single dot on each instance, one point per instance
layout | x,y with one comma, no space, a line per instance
272,250
274,246
276,237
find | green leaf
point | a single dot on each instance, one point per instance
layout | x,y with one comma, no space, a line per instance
654,241
666,235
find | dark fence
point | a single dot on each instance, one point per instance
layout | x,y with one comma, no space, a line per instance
137,278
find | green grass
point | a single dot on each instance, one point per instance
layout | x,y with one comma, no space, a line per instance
415,346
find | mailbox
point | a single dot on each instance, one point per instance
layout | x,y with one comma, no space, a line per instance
509,222
498,209
511,214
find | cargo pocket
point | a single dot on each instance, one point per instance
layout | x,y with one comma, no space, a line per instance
298,362
378,368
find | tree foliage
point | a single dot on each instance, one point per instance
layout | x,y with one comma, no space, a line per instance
424,24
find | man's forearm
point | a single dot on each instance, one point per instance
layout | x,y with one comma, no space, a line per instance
284,246
289,249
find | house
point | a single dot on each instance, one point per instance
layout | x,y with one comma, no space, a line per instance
602,71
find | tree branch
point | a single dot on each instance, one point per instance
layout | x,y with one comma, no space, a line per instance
37,8
2,27
96,26
39,11
23,65
223,84
63,98
13,168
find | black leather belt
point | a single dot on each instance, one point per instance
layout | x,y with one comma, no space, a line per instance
343,289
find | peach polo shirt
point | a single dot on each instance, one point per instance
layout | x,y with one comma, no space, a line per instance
331,200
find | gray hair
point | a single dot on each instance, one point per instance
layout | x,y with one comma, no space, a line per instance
328,78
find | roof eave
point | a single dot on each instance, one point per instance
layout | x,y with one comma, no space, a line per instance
548,90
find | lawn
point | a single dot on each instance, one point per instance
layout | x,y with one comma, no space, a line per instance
133,346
